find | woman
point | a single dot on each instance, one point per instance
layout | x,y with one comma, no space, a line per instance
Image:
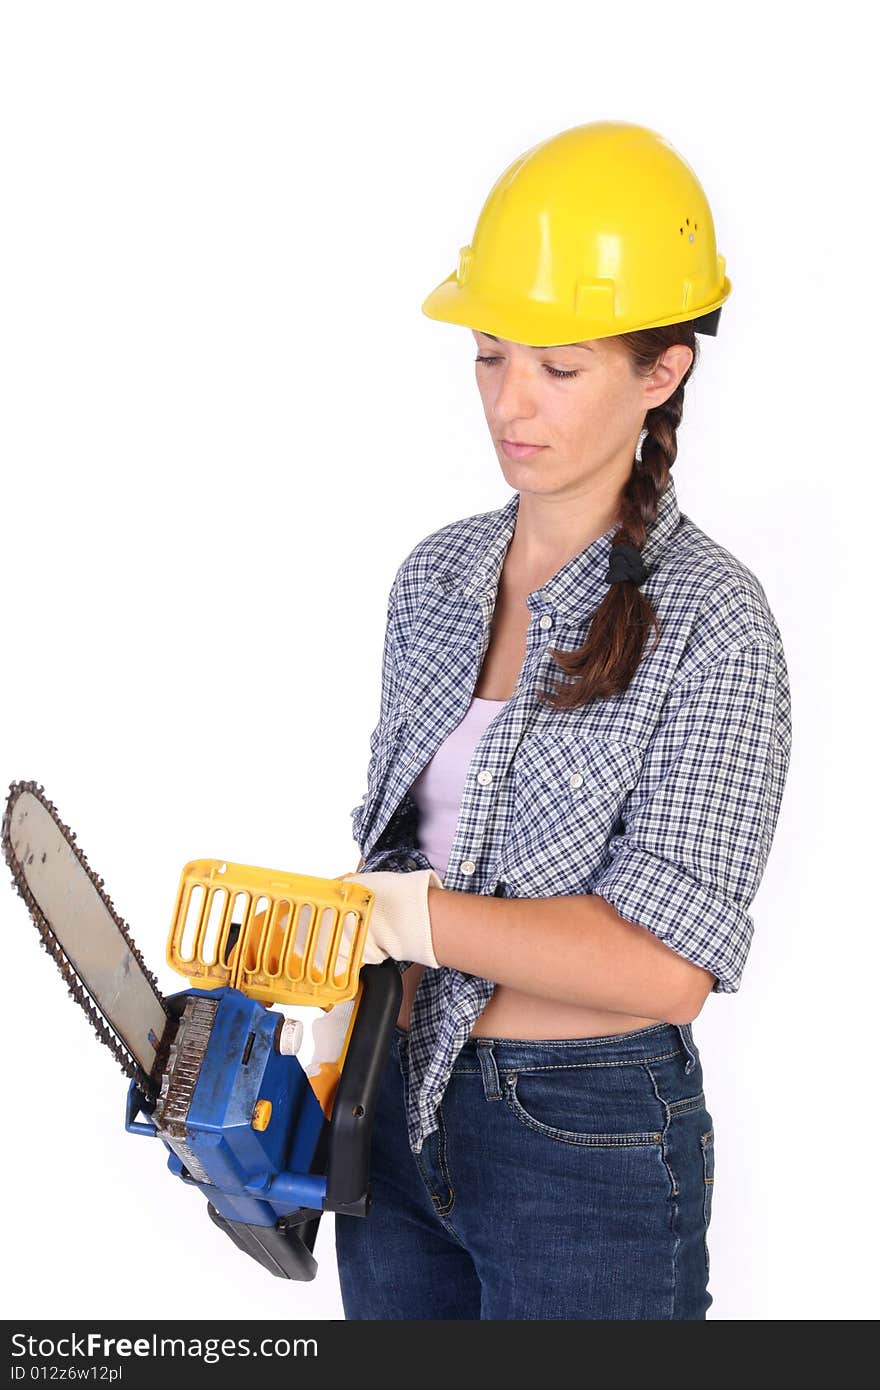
564,868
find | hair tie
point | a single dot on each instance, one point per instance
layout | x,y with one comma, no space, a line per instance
626,564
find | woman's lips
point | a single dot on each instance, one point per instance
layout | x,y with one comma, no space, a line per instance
521,451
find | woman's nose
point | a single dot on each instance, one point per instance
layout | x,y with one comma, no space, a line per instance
515,397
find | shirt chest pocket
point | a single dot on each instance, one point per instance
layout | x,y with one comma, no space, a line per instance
569,790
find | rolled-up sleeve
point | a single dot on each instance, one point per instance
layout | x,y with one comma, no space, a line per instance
697,829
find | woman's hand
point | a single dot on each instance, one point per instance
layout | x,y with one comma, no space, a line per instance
400,924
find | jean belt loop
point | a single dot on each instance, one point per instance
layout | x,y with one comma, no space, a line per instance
687,1037
489,1068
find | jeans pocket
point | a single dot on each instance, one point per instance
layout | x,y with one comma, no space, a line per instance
558,1102
707,1144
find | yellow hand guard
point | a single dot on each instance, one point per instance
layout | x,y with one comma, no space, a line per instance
300,941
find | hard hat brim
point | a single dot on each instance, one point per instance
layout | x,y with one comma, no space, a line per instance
541,326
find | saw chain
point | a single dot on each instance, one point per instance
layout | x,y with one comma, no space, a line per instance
19,854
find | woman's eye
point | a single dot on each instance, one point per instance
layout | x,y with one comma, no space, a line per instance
554,371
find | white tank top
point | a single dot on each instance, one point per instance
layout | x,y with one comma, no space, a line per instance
437,791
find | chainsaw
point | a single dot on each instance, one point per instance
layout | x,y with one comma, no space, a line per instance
213,1070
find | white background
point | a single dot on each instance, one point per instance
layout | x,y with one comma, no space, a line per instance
224,423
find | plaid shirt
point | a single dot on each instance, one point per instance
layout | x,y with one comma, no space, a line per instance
662,800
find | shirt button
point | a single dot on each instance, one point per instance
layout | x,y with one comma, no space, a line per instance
468,867
484,778
546,621
576,779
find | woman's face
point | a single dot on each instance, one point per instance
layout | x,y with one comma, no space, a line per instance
583,403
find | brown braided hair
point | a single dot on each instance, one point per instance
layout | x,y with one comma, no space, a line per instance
608,660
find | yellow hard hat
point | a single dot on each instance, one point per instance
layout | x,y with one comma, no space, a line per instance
601,229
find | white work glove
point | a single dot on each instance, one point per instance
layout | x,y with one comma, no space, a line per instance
328,1035
400,925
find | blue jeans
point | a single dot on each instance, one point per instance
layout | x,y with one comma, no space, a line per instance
569,1178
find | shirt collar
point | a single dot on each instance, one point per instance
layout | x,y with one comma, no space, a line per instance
580,581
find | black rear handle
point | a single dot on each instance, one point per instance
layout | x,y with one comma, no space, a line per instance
351,1121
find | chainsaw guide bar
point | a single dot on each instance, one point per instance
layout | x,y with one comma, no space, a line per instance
86,937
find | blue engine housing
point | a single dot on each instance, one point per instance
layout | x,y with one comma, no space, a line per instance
267,1188
253,1176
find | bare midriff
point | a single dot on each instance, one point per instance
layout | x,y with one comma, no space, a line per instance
511,1013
